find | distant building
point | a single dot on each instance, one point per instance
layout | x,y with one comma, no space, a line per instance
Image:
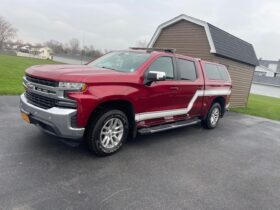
25,48
266,79
36,52
264,71
271,67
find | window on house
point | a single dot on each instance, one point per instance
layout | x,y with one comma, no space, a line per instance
163,64
272,66
187,69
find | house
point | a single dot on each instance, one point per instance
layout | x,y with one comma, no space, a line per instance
44,52
36,52
25,48
272,66
197,38
266,79
264,71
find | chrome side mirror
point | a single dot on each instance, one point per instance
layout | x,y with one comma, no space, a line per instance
156,76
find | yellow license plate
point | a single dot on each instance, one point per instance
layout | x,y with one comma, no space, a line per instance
25,117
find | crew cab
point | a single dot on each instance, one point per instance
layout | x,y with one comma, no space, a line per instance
123,93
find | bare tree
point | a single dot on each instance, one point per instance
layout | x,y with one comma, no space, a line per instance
74,45
6,31
56,46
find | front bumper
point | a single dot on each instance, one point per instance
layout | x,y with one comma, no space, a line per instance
56,121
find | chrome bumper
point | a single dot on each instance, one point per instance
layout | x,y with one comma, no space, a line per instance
56,121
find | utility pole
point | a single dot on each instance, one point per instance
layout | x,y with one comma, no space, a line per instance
83,43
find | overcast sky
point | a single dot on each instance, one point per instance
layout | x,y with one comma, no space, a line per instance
109,24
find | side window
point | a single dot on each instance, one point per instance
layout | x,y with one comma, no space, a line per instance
163,64
223,72
187,69
212,71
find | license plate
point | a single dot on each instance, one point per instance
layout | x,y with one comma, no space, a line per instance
25,117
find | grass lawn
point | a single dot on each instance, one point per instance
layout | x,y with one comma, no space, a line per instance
12,70
262,106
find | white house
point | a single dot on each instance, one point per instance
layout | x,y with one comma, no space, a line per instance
269,68
41,53
264,71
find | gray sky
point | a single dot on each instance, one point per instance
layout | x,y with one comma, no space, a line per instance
109,24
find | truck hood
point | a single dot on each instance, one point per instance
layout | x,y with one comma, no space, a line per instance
74,73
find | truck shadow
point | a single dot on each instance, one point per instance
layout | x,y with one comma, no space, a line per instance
46,142
165,136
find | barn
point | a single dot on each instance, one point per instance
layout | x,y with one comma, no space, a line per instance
197,38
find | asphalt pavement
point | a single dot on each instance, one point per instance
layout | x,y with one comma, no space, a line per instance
235,166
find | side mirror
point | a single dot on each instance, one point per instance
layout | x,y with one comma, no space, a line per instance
155,76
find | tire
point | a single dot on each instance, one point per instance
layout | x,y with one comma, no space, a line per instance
107,132
213,117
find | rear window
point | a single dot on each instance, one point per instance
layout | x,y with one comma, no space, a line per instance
216,72
187,69
212,71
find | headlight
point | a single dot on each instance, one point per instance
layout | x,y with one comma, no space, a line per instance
72,86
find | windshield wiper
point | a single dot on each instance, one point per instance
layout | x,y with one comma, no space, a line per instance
105,67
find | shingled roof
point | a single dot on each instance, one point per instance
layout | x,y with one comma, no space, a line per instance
221,42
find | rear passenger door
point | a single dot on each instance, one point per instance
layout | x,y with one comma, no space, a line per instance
190,82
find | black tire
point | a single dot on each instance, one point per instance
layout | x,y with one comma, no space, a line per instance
207,122
94,132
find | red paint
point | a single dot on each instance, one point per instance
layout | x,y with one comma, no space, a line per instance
108,85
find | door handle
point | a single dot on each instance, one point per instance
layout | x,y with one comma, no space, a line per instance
174,88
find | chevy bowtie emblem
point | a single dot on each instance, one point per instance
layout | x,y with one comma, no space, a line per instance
30,86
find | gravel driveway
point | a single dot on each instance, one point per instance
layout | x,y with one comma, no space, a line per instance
235,166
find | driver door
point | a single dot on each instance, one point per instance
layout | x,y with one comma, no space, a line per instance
160,97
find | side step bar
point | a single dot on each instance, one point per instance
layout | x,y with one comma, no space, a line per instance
169,126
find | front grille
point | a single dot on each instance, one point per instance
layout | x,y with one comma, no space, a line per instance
40,101
42,81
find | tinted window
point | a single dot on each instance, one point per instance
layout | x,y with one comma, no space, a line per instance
212,71
163,64
187,69
223,72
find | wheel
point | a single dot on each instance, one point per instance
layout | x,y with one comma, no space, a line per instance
213,116
107,132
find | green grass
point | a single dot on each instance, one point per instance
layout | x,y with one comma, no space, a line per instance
12,70
262,106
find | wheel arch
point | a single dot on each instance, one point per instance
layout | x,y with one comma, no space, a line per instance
121,104
221,100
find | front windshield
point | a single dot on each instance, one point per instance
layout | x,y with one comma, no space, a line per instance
123,61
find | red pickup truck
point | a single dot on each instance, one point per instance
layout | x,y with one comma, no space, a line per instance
124,93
